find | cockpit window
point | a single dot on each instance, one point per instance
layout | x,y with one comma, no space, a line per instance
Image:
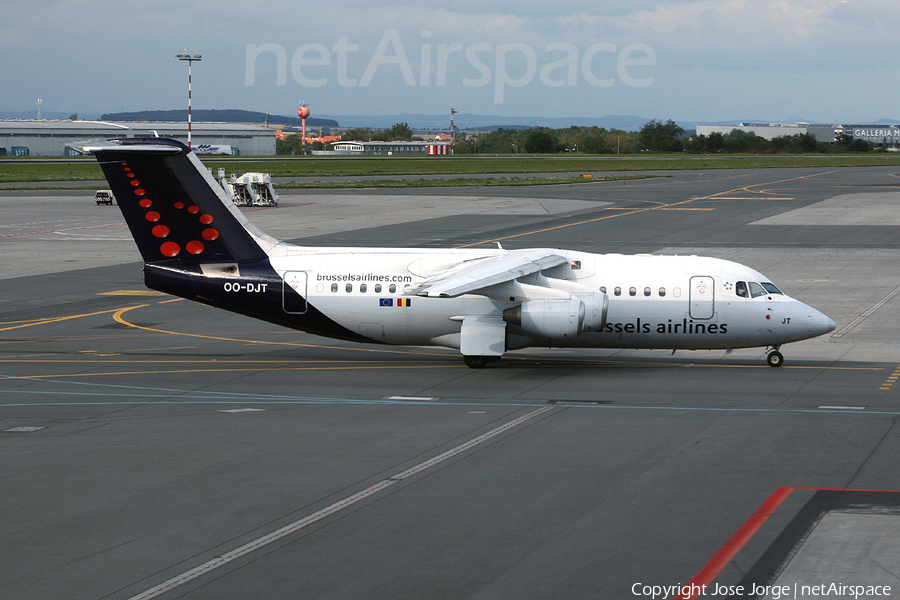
740,288
756,290
770,287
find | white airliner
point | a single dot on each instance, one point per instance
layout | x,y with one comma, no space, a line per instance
196,244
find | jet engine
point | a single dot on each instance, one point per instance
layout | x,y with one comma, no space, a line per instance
548,318
596,306
560,318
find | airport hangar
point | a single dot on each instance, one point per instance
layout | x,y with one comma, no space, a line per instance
49,138
823,132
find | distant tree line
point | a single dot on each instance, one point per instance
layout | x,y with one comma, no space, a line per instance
292,144
542,140
747,141
655,136
396,133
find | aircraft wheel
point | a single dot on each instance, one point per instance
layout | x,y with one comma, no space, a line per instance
476,362
775,359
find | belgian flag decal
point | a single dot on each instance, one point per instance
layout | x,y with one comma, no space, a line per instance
403,302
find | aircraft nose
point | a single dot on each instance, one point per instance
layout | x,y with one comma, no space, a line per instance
818,323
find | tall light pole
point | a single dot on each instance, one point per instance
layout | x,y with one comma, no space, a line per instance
453,111
190,60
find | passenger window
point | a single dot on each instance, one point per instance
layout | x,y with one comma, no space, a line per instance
362,288
349,287
334,287
756,290
632,291
603,288
740,288
676,292
662,292
377,288
647,291
617,291
392,289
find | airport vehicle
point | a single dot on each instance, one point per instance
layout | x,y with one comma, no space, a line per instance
196,244
104,197
250,189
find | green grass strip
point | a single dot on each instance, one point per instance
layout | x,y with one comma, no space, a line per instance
28,171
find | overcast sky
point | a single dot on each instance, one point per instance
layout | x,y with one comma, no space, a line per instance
700,60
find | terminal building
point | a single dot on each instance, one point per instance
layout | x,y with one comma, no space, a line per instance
390,148
49,138
823,132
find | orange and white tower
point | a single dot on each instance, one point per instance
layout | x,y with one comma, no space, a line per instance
303,113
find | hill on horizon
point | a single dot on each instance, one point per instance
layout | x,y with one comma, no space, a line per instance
216,116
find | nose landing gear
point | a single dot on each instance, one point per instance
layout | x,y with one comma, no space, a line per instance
775,358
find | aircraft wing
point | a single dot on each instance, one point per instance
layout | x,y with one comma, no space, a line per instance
488,272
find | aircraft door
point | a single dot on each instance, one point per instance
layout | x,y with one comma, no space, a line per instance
293,292
702,297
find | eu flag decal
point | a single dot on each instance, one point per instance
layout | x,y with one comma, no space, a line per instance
385,302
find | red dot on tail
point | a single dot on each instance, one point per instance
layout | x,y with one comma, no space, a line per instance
135,183
145,203
206,219
193,210
210,234
161,231
152,216
194,247
170,249
139,192
179,205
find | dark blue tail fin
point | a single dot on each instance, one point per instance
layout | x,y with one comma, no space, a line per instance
172,205
195,242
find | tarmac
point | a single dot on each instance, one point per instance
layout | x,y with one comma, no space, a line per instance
155,448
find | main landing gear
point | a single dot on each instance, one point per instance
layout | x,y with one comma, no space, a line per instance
476,362
775,358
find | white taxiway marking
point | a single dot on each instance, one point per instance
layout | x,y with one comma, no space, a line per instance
849,326
330,510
